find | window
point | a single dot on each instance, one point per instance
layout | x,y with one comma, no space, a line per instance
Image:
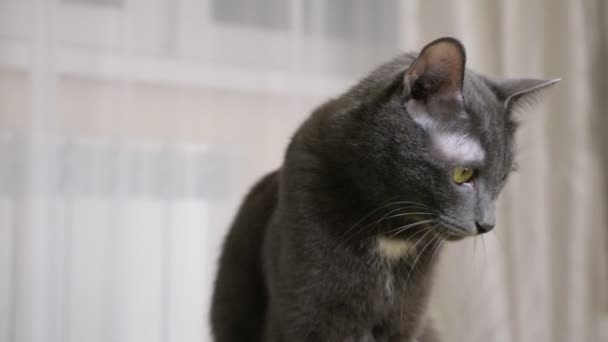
116,3
264,14
325,37
358,21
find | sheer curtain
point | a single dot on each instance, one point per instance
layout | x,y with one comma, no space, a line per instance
130,130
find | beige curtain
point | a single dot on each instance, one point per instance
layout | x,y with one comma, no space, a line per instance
541,277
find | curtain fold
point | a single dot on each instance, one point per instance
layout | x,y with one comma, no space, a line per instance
597,40
537,282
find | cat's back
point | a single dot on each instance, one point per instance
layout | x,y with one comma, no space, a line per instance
239,297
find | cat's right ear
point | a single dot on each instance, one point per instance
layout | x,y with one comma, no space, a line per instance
437,72
515,91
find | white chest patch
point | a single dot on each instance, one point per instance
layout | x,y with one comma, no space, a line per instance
393,249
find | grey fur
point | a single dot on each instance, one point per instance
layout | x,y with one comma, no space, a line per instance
300,263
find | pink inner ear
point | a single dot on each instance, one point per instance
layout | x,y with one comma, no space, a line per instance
443,62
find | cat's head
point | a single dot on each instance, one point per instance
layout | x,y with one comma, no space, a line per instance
426,132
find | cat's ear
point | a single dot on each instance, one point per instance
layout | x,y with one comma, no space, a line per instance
438,71
517,91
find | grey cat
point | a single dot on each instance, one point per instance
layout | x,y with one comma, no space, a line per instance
339,244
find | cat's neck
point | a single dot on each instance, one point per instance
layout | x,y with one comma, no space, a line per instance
352,221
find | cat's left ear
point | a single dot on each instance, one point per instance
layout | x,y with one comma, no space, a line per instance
437,72
514,92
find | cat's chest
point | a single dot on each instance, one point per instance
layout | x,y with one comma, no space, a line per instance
392,250
390,287
393,258
397,308
401,275
400,303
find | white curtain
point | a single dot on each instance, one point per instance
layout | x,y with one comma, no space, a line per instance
130,130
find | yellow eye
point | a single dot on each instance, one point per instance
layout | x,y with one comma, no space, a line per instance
462,174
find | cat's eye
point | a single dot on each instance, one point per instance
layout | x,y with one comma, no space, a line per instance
462,174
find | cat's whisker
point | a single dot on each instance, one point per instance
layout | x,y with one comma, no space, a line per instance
408,214
372,223
399,215
474,274
412,213
423,210
474,247
423,230
427,230
385,217
382,206
419,205
440,236
419,255
408,226
485,255
500,242
409,205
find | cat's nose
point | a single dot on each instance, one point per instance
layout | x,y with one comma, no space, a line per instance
484,227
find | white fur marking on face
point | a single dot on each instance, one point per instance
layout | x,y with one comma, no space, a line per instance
459,147
418,112
455,146
393,249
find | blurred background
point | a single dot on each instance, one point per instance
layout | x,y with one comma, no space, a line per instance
131,129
